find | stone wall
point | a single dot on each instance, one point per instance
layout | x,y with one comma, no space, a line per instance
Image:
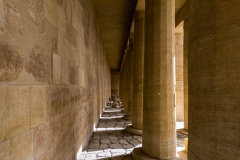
54,78
179,76
115,82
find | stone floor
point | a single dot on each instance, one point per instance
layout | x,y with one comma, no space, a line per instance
111,142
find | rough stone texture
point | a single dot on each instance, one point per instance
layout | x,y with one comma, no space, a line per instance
2,113
213,72
21,146
57,69
17,110
14,17
159,140
53,88
51,11
38,105
179,77
11,62
39,64
5,150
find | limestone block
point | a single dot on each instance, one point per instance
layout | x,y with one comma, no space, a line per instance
65,71
42,139
71,34
5,150
17,110
38,64
14,18
54,101
69,10
67,50
33,13
57,69
3,28
73,74
38,105
81,76
11,62
65,99
62,21
2,15
61,44
2,113
51,11
55,45
22,146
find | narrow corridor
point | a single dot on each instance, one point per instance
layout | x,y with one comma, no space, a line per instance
111,142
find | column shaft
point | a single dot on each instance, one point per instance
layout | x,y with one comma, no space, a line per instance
159,134
138,67
214,79
185,73
130,77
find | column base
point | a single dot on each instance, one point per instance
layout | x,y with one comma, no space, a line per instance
132,130
126,117
138,154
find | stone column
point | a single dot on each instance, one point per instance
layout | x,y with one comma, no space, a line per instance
125,91
214,79
138,62
159,131
128,111
185,73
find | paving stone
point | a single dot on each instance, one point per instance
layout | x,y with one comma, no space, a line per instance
123,141
112,137
115,141
105,141
134,142
115,146
103,146
127,146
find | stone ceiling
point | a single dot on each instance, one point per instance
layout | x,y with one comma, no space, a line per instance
113,18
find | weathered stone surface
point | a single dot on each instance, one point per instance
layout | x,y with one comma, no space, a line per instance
55,45
65,71
71,34
18,100
22,146
5,150
56,69
62,21
2,113
81,76
14,18
54,101
51,11
42,140
11,62
73,74
38,105
33,14
2,15
61,44
3,28
39,64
